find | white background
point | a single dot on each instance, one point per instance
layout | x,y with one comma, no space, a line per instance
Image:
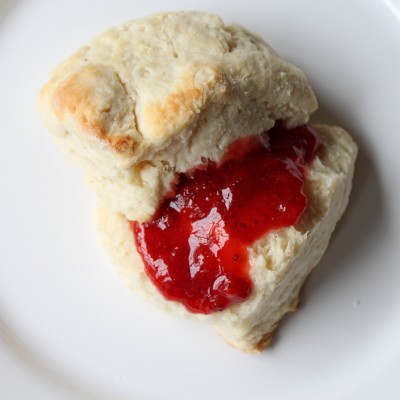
69,329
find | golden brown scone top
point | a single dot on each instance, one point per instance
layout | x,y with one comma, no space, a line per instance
140,85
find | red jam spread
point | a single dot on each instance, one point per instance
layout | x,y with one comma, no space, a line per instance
195,249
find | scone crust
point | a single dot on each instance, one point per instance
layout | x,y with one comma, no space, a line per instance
150,78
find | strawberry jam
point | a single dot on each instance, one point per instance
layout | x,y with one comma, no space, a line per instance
195,249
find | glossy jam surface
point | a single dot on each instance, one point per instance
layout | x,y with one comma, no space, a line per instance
195,247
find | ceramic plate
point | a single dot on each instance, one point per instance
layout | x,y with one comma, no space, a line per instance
70,329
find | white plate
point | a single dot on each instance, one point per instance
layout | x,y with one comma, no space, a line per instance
69,329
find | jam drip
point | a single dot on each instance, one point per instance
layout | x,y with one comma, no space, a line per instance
195,249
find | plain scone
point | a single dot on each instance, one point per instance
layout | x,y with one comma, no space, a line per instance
280,261
157,96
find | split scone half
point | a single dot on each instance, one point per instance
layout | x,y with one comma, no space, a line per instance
164,95
279,262
157,96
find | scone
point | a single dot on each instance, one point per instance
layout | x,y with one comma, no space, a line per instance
218,199
157,96
280,261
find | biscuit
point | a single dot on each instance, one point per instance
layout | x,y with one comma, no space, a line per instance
156,96
279,262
